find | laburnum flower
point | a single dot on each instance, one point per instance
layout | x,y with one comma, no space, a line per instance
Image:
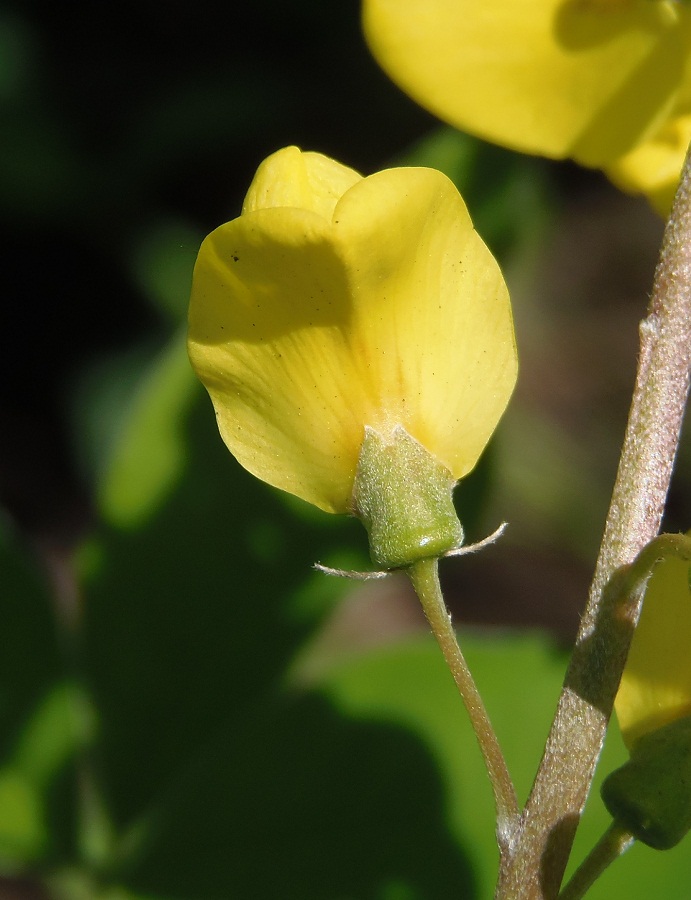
650,795
337,307
655,688
604,82
653,167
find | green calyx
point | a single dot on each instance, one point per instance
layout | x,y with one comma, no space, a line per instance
650,795
403,495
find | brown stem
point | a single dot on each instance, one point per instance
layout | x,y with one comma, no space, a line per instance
535,869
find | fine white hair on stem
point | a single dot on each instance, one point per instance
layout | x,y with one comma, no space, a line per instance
458,551
485,542
344,573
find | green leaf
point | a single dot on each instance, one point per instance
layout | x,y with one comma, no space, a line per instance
301,802
410,686
162,263
149,452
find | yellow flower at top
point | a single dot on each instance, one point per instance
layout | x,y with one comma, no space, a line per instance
336,305
592,80
656,685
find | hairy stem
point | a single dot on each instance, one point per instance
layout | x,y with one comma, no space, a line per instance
535,869
425,579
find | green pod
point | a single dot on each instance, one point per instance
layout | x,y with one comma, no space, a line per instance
403,496
650,795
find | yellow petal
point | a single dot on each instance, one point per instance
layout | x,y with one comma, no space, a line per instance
305,330
656,685
586,79
653,168
432,328
292,178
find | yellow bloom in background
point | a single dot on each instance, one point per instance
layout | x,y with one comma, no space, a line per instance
656,685
653,167
649,797
592,80
337,302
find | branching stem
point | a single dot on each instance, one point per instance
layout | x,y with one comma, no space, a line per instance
548,824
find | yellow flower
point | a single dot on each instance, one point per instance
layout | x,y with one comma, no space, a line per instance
653,167
587,79
337,303
650,795
656,685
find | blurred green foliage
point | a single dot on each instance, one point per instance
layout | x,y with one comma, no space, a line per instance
171,727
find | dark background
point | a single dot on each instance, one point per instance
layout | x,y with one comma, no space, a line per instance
115,117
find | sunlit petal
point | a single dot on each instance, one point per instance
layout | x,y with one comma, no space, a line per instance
291,178
307,329
432,329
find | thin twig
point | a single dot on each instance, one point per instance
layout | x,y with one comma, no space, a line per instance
548,824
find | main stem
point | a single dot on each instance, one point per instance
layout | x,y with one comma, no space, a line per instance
535,869
425,579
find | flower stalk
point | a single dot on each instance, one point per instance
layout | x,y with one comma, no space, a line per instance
548,824
613,844
425,578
